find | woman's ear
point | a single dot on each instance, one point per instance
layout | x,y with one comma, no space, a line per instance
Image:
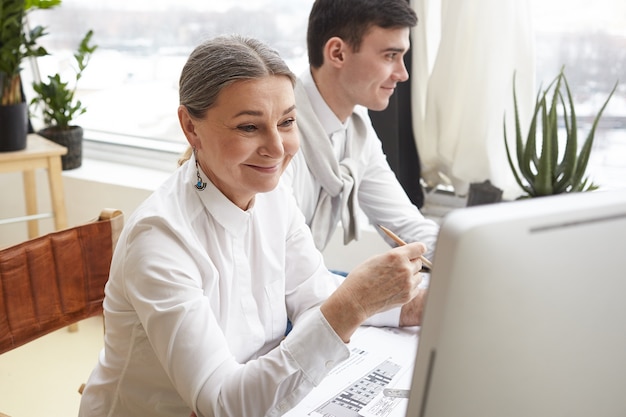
334,51
188,126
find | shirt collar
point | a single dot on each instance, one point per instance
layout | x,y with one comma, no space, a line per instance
224,211
330,122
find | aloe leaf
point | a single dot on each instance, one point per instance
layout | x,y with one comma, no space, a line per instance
569,162
544,171
584,186
553,130
529,157
525,161
518,130
511,164
583,157
543,181
519,144
572,138
519,147
551,140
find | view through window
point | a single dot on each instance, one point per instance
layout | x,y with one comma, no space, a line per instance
589,41
130,86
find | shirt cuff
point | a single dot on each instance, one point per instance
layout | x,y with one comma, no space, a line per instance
315,346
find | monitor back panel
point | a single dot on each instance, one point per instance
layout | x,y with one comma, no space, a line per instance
526,312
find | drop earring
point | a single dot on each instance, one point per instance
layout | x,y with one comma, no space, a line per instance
200,185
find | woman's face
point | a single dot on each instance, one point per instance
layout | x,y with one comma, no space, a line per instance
247,138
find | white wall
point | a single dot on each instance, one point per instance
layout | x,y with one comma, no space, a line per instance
84,197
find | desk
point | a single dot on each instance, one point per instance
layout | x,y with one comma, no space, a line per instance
379,358
39,153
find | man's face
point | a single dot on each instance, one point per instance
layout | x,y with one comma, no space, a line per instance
369,76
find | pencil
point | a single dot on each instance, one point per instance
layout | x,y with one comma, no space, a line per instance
401,242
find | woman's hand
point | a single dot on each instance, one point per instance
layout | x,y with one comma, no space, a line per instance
382,282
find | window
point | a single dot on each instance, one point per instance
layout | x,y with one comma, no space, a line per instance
589,40
130,87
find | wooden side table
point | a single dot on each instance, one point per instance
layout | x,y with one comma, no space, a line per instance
39,153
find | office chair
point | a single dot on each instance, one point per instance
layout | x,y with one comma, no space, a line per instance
55,280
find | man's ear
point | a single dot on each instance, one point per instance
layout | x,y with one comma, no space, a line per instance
335,51
188,126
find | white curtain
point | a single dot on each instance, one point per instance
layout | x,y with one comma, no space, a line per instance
465,55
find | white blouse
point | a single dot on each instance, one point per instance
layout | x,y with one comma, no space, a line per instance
197,304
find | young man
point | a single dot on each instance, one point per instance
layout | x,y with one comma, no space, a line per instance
356,50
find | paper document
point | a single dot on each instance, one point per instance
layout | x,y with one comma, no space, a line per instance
379,358
392,401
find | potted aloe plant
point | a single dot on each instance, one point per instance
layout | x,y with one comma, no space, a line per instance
541,170
17,43
60,107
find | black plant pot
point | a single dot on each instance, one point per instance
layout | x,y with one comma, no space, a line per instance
72,139
13,127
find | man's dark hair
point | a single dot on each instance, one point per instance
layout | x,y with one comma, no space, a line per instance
350,20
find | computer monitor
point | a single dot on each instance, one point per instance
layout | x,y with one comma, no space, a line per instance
526,311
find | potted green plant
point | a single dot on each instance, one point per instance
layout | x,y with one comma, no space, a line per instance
60,107
542,170
17,43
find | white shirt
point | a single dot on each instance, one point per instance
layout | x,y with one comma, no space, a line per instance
380,196
197,304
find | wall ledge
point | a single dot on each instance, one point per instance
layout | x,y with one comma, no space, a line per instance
118,174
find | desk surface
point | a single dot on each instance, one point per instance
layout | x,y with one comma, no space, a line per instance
36,147
379,358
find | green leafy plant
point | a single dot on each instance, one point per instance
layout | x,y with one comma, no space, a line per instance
57,97
18,43
540,170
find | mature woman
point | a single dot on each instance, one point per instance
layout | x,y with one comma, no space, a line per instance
210,267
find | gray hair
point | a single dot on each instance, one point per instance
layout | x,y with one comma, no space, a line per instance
221,61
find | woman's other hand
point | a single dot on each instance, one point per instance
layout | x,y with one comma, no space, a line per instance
382,282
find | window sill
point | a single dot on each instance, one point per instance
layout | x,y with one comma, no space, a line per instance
115,160
120,174
438,203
